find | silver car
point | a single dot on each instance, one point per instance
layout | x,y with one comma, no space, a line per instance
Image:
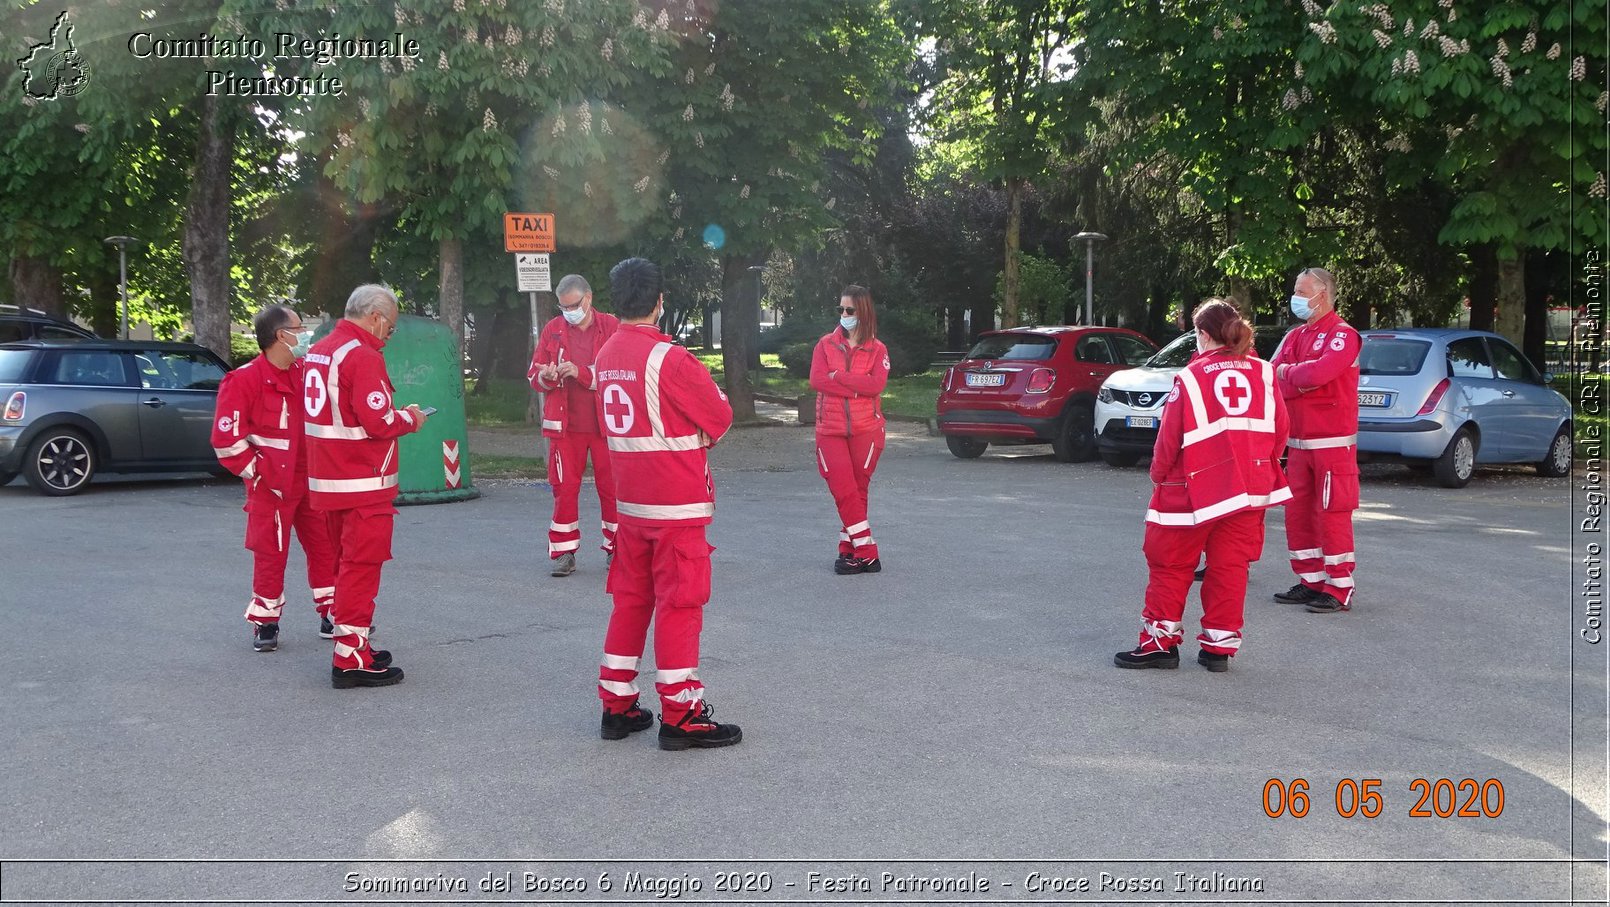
70,409
1451,399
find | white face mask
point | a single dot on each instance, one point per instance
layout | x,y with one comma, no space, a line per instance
848,322
304,339
576,315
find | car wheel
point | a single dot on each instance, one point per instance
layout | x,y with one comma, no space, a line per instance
1558,461
966,448
1456,465
1076,438
1120,458
60,462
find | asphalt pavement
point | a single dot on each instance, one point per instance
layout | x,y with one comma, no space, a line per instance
959,707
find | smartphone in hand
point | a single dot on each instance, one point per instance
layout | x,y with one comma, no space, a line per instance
427,410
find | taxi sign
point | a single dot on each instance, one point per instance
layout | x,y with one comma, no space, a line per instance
527,232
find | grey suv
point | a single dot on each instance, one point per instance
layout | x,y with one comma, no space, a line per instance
70,409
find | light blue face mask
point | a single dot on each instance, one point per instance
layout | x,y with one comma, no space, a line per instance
1300,307
848,322
576,315
304,339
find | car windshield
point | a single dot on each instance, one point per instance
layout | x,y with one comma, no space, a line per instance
12,365
1013,346
1392,356
1177,354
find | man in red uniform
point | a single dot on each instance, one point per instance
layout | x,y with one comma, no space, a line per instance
257,435
1215,469
660,411
562,368
1317,369
352,431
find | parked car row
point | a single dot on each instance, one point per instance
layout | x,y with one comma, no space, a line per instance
1441,400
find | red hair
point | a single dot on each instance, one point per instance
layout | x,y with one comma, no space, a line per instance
866,326
1222,321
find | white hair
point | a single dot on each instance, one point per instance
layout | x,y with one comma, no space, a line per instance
370,298
572,283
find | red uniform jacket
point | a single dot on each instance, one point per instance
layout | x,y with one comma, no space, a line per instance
659,410
1322,386
257,430
558,343
1218,449
850,402
352,426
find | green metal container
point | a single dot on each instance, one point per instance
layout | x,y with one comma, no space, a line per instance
424,366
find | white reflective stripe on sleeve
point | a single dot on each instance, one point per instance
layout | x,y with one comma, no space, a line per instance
564,527
276,443
863,541
651,386
667,511
1305,553
1340,558
405,415
676,675
562,547
1321,443
689,695
651,444
858,527
552,425
1317,576
239,447
337,432
621,662
618,688
342,486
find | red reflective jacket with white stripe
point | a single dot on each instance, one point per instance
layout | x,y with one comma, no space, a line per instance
1321,387
849,383
1218,449
554,345
352,425
257,429
659,410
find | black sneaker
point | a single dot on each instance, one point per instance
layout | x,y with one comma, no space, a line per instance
1149,659
698,729
563,565
848,565
1296,595
1326,603
375,676
617,725
871,566
266,637
326,629
1218,664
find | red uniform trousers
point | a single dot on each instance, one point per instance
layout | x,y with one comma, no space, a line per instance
362,541
269,521
663,575
1232,543
847,464
567,460
1319,518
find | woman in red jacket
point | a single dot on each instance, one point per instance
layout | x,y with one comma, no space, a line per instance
1215,469
848,373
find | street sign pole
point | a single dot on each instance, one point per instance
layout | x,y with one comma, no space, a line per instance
537,401
530,238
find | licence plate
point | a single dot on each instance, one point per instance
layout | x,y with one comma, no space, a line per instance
1140,421
985,380
1371,399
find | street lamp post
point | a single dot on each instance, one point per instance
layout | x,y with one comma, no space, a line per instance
1090,268
122,243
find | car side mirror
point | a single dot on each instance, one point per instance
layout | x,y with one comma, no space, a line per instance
1548,377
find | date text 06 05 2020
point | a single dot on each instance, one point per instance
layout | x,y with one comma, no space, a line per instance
1440,798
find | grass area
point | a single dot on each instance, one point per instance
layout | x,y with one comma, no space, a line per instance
502,402
915,396
494,466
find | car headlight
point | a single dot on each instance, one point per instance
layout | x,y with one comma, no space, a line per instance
1104,395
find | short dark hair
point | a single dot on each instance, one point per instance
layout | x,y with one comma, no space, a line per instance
269,322
635,286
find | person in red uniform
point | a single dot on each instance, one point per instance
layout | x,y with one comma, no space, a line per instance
1215,469
849,370
1317,368
660,411
257,435
352,431
562,368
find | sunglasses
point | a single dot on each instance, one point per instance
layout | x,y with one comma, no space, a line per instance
847,309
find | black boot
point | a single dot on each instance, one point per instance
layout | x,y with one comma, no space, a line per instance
1152,658
1218,664
871,566
617,725
265,637
698,729
847,565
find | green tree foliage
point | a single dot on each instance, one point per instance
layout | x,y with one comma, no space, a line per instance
1044,289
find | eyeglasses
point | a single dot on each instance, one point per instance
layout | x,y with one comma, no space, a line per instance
847,309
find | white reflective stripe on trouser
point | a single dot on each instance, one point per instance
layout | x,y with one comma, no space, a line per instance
564,527
1317,576
618,688
1303,554
1340,582
858,527
652,444
607,526
667,511
1331,559
621,662
339,486
863,541
562,547
1223,639
1161,629
265,607
1321,443
676,675
276,443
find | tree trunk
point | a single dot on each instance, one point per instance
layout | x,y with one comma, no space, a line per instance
1537,312
1511,318
1483,287
450,304
1014,238
105,302
206,228
739,315
36,284
1157,312
508,350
